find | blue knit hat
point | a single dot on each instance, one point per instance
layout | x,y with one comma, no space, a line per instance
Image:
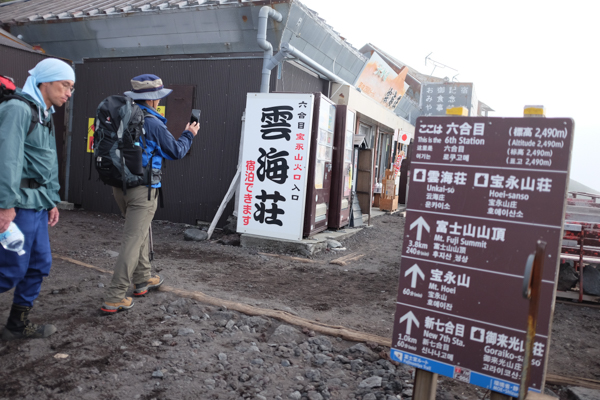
147,87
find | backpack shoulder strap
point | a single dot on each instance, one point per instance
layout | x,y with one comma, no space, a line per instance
34,110
147,114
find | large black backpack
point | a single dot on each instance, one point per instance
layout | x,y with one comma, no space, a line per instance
7,92
119,143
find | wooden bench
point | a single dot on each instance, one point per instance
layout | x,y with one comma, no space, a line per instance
581,236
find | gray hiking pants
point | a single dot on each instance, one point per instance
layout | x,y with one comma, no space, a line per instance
133,264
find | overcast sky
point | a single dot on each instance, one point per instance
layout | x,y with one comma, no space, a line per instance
516,53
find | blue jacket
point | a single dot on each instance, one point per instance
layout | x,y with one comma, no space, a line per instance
160,141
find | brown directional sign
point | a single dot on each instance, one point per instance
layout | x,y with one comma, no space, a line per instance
482,192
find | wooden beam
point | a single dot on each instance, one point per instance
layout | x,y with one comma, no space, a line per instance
346,259
563,294
305,260
530,396
572,381
230,192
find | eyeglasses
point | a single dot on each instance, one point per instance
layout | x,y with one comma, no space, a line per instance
67,87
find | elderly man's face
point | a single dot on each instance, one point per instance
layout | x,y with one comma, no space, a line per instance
57,93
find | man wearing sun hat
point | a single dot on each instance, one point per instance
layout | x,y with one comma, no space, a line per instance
133,264
29,188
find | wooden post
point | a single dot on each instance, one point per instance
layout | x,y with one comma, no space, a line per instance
499,396
425,385
230,193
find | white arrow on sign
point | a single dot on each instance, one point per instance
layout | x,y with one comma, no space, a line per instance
420,224
410,318
416,272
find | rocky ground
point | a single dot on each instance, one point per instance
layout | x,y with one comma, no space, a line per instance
171,347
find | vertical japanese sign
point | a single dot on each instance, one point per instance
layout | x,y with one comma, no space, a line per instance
482,192
275,164
437,97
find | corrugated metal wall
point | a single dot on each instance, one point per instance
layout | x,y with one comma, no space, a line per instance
194,186
294,79
15,63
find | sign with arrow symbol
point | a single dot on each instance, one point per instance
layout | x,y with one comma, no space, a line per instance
483,191
410,319
419,223
416,273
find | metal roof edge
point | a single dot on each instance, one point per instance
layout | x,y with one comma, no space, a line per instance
485,106
329,29
128,12
18,41
8,3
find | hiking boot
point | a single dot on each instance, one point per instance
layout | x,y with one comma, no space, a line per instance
113,308
153,283
18,325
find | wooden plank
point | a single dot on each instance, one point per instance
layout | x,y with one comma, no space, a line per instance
586,259
425,385
572,227
357,219
579,209
530,396
584,217
346,259
569,243
538,396
305,260
587,249
587,225
228,196
593,234
104,271
577,304
575,296
572,381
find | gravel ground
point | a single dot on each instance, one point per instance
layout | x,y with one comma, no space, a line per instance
170,347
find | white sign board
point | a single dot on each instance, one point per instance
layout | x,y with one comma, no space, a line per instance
274,167
436,98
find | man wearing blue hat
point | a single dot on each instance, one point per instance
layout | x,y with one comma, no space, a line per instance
29,188
133,264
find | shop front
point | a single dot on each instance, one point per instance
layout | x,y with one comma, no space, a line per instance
379,137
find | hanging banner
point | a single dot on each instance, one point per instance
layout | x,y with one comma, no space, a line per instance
379,81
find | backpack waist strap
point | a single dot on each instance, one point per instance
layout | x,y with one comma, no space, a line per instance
29,184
